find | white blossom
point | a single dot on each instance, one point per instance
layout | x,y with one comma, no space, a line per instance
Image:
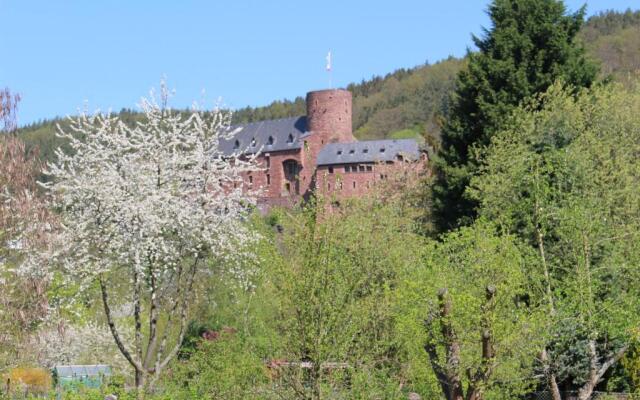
142,205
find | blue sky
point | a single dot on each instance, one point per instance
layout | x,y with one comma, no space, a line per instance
59,54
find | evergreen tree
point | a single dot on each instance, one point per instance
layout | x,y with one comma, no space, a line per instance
530,45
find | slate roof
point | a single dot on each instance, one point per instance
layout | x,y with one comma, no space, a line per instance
284,133
368,151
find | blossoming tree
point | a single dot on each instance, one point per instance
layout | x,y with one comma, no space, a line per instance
146,210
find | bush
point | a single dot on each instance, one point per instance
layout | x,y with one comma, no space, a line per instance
34,380
225,368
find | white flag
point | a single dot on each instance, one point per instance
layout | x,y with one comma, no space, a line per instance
329,61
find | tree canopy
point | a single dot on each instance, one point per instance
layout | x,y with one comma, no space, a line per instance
530,45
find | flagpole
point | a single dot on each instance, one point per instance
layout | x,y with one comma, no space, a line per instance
329,69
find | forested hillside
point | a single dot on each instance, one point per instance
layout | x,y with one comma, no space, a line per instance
411,102
613,39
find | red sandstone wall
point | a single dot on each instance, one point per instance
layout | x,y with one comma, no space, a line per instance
342,184
329,114
271,180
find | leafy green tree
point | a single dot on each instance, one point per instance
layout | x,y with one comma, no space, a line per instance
338,272
224,368
530,45
563,175
465,318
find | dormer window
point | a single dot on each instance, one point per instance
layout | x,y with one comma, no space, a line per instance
270,141
253,142
365,150
236,145
352,151
339,152
290,139
382,149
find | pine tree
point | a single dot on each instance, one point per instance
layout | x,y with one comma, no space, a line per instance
530,45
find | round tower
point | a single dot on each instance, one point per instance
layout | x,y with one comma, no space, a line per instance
329,114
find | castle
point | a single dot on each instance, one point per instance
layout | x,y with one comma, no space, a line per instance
318,153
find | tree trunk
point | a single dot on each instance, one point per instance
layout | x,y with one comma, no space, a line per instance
596,373
452,346
550,376
140,384
448,375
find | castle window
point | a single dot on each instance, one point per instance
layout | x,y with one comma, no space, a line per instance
331,170
369,168
291,167
290,139
268,162
268,179
253,142
328,187
354,184
250,180
270,141
361,168
236,145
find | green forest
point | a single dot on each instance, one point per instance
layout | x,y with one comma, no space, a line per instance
510,269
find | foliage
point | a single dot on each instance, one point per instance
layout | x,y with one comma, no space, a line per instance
631,361
221,369
459,270
34,379
335,283
531,44
563,176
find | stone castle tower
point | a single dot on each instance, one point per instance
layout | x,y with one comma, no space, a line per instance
329,115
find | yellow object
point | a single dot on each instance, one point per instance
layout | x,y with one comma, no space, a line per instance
35,379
